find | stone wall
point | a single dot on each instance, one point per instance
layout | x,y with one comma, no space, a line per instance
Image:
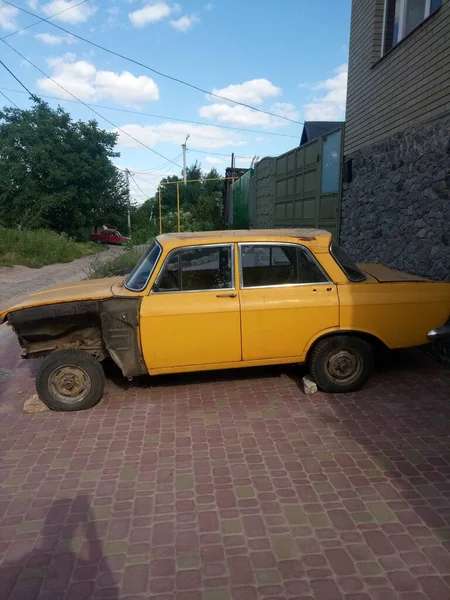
396,209
264,203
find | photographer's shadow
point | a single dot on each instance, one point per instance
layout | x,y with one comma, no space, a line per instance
65,559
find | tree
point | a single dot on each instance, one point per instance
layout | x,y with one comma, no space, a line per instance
57,173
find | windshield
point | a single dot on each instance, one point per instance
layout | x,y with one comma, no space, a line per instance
139,276
346,263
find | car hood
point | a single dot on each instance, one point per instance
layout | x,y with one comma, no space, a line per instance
90,289
385,275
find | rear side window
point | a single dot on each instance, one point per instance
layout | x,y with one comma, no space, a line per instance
346,263
197,269
266,265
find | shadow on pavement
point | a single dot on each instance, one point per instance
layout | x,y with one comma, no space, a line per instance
63,559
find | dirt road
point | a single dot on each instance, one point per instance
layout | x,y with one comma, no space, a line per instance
19,281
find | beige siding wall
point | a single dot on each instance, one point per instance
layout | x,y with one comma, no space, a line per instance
408,85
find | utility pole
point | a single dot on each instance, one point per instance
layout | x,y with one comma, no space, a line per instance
184,158
127,179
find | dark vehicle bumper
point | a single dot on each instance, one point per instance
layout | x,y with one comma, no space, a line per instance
439,333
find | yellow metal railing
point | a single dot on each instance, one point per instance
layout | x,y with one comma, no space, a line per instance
177,183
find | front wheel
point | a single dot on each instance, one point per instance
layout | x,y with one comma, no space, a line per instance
70,380
341,363
97,241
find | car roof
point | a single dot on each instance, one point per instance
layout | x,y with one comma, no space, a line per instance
315,238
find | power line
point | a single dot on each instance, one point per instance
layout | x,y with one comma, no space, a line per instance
87,106
218,153
135,190
149,171
144,114
16,78
9,99
160,73
138,186
38,22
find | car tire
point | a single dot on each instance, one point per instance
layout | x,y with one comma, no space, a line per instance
70,380
341,363
98,241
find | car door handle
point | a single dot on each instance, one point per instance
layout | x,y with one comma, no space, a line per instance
229,295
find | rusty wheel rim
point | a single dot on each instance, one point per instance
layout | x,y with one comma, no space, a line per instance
343,366
69,384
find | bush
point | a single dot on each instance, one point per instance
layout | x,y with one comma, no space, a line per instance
119,265
39,247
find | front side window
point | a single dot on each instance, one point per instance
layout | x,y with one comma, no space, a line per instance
266,265
402,16
197,269
139,276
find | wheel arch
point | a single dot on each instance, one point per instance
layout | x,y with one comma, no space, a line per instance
373,340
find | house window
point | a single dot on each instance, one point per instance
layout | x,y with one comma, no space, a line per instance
402,16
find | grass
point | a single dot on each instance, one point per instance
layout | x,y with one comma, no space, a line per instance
119,265
39,247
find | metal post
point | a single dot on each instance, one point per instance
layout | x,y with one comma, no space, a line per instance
160,211
127,179
178,206
184,159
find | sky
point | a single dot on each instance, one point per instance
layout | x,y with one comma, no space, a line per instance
286,57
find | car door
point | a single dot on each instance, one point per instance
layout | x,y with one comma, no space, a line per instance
192,317
286,299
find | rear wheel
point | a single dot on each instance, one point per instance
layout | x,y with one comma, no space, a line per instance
98,241
70,380
341,363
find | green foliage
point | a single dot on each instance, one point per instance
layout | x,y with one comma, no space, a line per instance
119,265
39,247
199,202
57,173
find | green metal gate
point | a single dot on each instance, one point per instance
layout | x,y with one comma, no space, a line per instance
301,188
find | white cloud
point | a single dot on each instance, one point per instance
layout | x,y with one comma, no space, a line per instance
244,162
201,136
184,23
76,14
233,115
251,92
8,15
54,40
151,13
254,91
210,6
241,115
82,79
284,109
331,106
212,160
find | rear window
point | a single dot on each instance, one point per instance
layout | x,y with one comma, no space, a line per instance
346,263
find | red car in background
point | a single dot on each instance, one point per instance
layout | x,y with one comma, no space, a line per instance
109,236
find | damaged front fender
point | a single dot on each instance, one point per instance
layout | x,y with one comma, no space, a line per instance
100,327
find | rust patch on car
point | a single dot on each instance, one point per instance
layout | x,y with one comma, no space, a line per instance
306,238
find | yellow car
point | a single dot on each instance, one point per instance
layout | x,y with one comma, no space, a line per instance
226,299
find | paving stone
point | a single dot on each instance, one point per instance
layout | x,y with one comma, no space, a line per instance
284,547
229,488
295,514
231,526
267,577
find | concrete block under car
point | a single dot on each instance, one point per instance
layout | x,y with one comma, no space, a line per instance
34,405
309,385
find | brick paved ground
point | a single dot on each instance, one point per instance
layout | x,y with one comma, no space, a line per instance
229,486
